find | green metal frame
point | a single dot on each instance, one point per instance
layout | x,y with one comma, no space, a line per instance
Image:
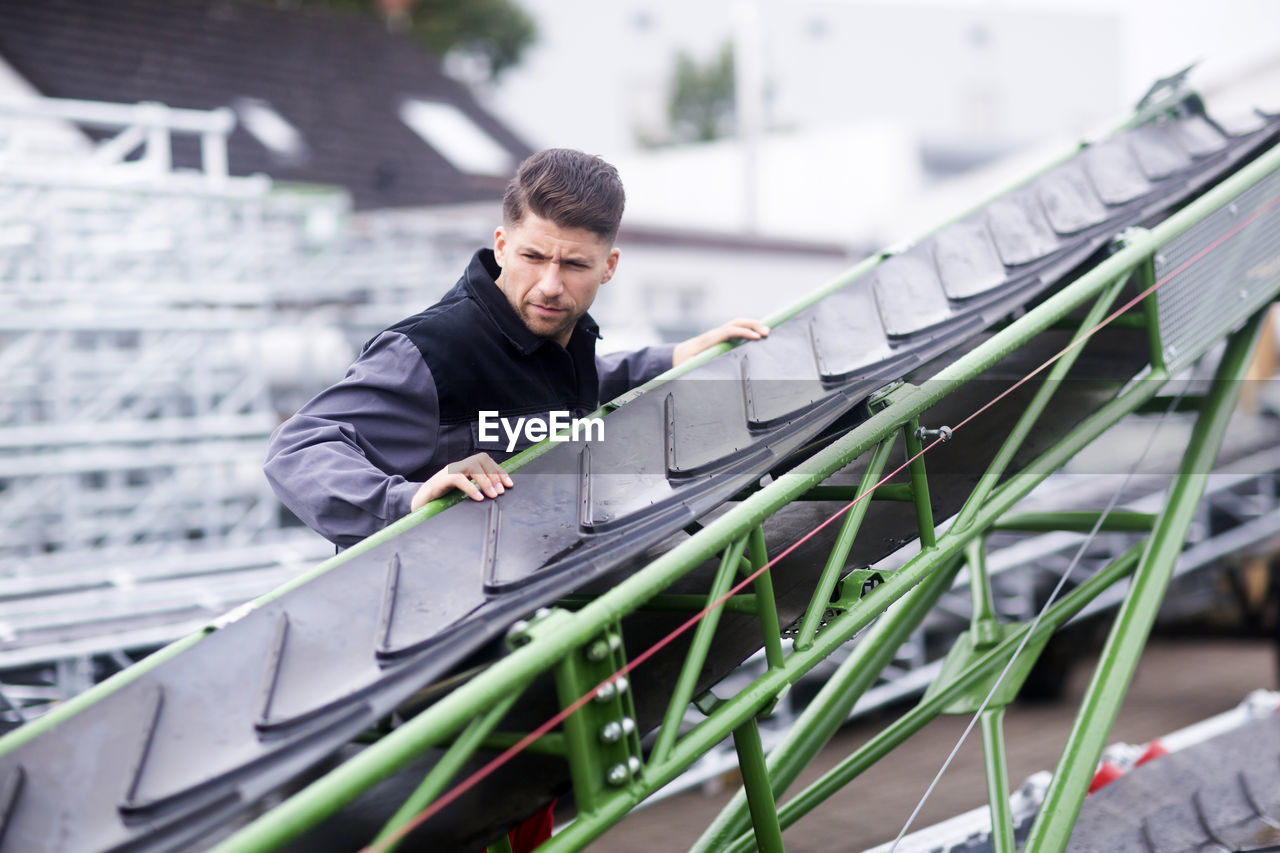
581,643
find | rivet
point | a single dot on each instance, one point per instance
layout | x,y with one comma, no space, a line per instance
607,692
617,775
611,732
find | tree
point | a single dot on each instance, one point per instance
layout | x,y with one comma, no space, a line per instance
495,31
701,107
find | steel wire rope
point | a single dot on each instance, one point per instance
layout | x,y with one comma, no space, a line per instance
545,727
1035,623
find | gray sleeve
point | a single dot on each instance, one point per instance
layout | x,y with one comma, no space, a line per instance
619,372
337,463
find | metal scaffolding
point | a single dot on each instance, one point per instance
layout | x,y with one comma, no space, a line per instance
139,304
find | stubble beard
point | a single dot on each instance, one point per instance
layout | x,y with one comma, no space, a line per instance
542,326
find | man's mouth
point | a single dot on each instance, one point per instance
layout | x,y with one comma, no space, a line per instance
546,310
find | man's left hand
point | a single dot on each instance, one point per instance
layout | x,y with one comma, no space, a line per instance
752,330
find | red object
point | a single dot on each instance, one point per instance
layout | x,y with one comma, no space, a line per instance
1107,773
1154,750
532,831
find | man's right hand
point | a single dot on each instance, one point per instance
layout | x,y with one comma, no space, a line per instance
477,476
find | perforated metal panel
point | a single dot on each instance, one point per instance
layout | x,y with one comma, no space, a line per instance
1219,273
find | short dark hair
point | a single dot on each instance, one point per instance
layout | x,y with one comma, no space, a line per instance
569,188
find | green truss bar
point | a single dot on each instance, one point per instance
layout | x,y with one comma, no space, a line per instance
770,630
755,781
919,484
828,710
448,766
685,684
982,622
997,768
1119,659
1017,435
840,551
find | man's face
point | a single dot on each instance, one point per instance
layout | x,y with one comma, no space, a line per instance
550,274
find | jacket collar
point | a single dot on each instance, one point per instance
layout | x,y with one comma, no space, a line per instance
480,282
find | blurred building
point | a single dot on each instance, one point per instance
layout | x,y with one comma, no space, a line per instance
319,97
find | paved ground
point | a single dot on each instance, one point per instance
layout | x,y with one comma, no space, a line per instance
1177,683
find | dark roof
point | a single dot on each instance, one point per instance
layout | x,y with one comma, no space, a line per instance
339,78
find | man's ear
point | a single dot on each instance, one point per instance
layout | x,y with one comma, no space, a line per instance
611,265
499,243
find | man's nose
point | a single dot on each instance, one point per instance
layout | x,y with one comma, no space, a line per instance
550,283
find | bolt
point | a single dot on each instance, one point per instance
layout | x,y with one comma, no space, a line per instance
518,633
598,651
942,432
628,726
618,775
607,692
622,683
633,764
612,732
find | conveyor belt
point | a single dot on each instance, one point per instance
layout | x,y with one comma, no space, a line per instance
183,748
1220,795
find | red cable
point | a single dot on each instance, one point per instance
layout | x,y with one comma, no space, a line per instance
501,759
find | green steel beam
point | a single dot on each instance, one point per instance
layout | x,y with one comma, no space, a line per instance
829,709
687,681
1039,402
840,550
919,483
755,781
771,631
982,621
444,770
1101,703
997,767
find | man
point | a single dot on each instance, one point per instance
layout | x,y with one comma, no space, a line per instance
512,337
